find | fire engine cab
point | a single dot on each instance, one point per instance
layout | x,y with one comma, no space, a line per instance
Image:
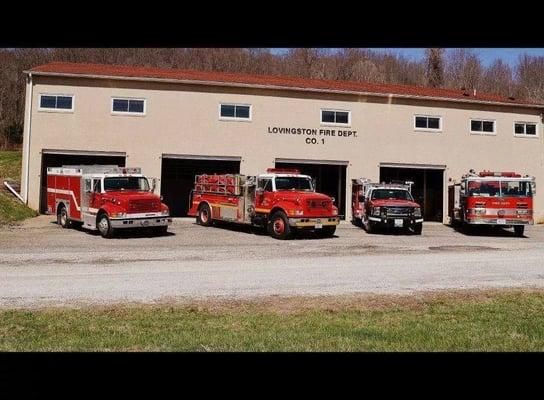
282,200
493,198
385,205
104,197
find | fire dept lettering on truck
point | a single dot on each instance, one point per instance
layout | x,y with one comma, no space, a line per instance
104,198
313,135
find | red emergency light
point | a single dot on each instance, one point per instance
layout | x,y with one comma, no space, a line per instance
283,171
505,174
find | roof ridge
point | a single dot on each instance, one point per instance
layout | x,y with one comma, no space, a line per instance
127,70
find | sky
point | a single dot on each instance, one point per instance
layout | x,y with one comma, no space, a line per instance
487,55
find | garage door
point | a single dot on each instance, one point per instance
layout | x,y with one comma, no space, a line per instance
428,187
58,158
178,176
330,177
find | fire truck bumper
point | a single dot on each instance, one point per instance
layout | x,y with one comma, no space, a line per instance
118,223
493,221
313,222
401,222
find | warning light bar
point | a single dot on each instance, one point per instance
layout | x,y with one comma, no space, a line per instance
283,171
133,170
505,174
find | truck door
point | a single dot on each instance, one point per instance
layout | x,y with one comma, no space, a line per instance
95,195
263,197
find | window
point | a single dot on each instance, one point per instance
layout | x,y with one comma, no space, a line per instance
525,129
482,126
423,122
265,184
235,111
128,106
97,187
56,102
335,117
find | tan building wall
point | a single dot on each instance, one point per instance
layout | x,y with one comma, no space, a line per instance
184,119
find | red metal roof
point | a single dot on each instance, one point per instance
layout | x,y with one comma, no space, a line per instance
287,82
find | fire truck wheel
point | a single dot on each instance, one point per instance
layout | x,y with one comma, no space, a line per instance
519,229
326,231
369,227
104,226
62,217
278,226
204,215
418,228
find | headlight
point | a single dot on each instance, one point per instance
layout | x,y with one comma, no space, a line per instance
376,211
119,215
335,211
299,212
523,212
417,212
479,211
165,212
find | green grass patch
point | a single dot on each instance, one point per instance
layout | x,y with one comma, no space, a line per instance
498,321
11,209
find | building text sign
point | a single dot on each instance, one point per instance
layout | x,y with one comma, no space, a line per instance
312,135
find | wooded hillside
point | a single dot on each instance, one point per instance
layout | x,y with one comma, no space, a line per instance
454,68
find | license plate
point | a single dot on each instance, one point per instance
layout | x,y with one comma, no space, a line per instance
399,223
501,222
318,224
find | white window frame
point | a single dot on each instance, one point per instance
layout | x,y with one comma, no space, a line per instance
494,133
128,113
524,135
56,110
348,125
221,118
440,123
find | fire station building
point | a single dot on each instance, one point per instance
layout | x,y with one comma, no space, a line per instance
177,123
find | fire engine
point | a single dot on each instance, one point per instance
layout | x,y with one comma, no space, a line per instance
385,205
492,198
104,197
282,200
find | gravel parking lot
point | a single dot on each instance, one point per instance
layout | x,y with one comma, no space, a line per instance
42,264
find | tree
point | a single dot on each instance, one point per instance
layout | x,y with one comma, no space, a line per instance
434,67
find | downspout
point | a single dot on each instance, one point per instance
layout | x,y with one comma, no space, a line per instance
29,122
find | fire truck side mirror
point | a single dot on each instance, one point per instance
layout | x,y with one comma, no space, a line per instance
314,182
153,185
533,188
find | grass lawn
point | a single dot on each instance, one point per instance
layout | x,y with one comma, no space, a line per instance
457,321
11,209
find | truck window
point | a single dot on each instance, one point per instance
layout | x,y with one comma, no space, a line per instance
516,189
265,184
484,188
121,183
96,186
88,186
293,183
386,194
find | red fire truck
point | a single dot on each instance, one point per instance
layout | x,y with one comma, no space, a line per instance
104,197
493,198
282,200
385,204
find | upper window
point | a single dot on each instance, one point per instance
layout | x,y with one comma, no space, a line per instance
235,111
335,117
427,123
56,102
127,106
482,126
525,129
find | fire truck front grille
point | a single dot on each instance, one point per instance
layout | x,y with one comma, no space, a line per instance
318,203
397,210
143,205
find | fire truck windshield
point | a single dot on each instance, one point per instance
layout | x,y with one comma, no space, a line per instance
122,183
293,183
499,189
387,194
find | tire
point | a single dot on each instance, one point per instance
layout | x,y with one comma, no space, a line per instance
417,229
161,230
278,226
369,227
326,231
519,229
104,226
62,217
204,215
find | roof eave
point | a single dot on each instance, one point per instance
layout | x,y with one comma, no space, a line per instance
279,87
